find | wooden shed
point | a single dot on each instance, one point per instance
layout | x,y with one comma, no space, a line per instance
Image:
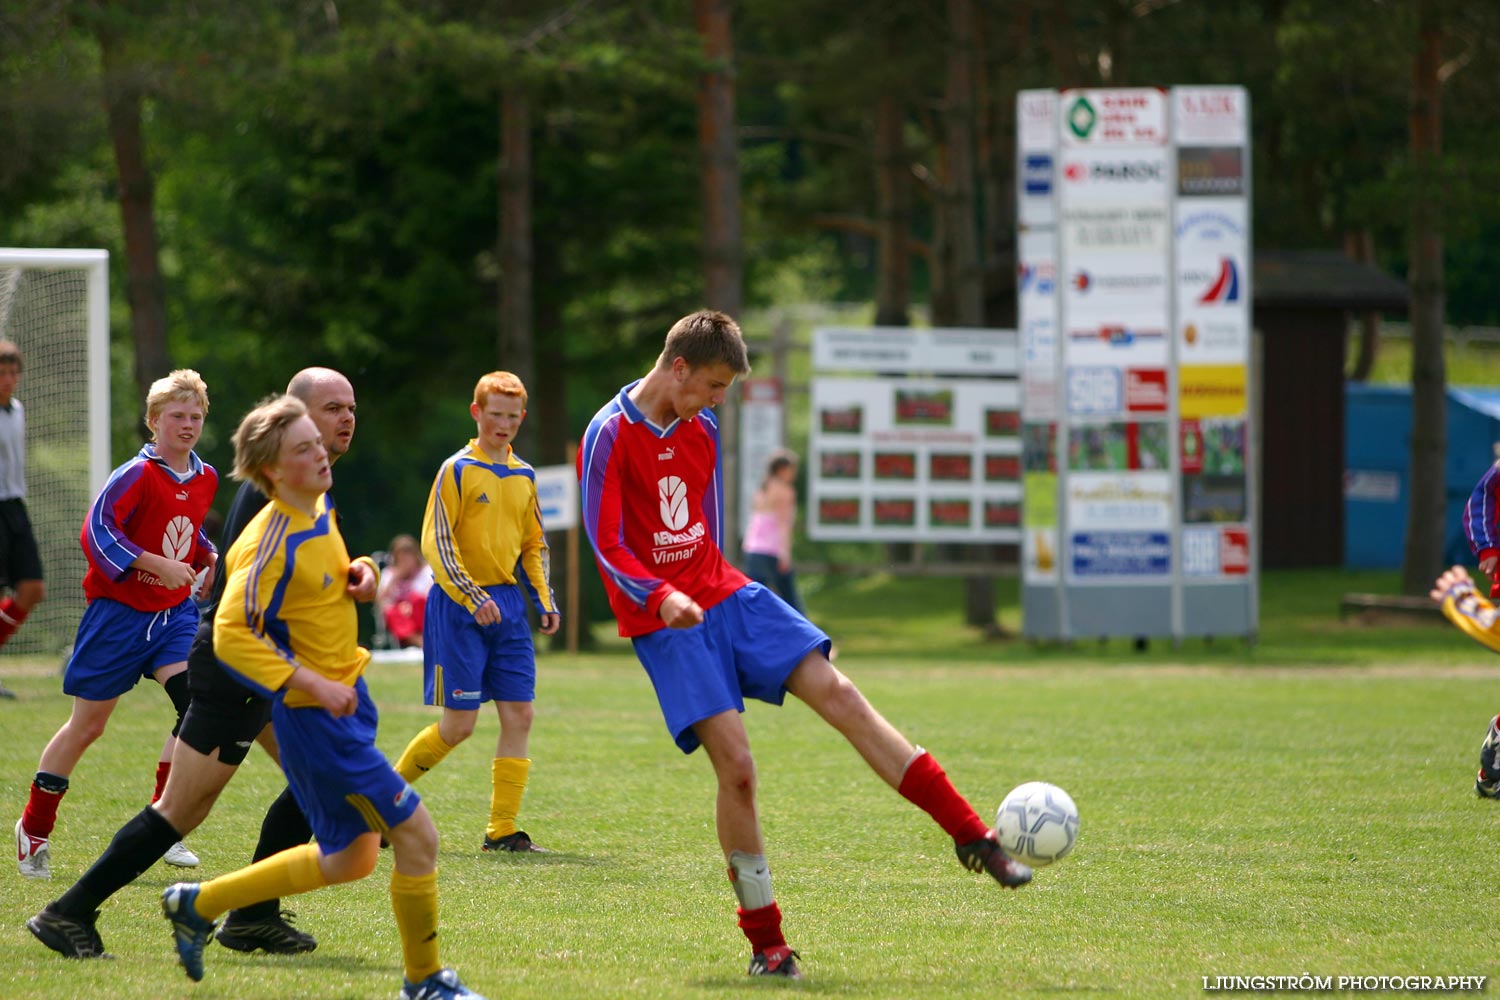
1303,302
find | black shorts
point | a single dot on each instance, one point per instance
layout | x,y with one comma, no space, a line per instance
19,558
223,714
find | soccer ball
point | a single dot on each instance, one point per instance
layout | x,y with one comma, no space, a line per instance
1037,823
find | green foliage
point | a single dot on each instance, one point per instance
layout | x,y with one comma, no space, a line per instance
326,174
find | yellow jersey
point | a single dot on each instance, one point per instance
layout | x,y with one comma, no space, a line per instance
286,602
483,527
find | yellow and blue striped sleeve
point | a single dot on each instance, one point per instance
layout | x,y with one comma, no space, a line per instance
440,538
256,566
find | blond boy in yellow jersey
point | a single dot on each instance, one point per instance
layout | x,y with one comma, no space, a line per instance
286,626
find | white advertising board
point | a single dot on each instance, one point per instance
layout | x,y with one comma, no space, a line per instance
945,351
902,459
1138,479
557,495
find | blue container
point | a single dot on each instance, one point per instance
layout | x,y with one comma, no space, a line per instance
1377,452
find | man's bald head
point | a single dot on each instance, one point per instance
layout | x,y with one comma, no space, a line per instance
330,402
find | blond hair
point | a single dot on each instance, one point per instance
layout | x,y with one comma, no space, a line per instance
257,440
499,384
181,386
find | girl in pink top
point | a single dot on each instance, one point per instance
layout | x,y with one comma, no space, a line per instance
768,537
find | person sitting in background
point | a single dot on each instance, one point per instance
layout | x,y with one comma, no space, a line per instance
402,599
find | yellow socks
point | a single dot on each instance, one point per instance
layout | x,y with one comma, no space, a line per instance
414,901
292,871
422,754
508,784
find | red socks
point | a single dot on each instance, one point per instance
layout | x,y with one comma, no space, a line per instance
926,785
11,617
40,815
163,768
763,927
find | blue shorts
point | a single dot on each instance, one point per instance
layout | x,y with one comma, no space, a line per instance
117,645
465,664
344,785
746,647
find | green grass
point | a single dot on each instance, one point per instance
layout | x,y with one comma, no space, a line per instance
1297,806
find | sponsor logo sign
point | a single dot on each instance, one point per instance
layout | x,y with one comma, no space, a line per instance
1135,116
1210,116
1094,390
1036,119
1125,229
1210,170
1036,174
1121,553
1115,175
1210,391
1146,390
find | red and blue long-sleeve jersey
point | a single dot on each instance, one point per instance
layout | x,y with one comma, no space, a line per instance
652,500
145,506
1482,515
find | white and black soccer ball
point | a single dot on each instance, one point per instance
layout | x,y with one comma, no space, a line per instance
1037,823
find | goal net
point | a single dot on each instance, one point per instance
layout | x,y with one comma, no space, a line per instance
55,305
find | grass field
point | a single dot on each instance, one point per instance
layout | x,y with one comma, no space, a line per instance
1300,806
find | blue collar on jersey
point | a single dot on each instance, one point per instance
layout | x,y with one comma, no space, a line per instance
634,414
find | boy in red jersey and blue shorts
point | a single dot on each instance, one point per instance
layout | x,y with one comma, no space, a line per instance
652,499
147,555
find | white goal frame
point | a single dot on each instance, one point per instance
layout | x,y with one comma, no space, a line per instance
61,590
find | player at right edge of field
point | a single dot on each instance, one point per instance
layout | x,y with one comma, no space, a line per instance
651,495
1479,619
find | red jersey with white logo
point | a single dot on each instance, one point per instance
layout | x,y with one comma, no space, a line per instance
147,507
652,500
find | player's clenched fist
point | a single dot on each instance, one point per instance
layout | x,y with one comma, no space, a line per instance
1451,578
680,611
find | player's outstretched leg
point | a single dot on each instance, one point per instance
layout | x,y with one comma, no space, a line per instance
441,985
68,937
1487,783
190,932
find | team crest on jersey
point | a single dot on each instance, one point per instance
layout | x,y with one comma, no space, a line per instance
680,540
177,540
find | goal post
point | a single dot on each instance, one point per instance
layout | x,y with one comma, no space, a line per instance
54,304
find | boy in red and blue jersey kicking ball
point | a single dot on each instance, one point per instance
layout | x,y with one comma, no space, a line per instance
652,496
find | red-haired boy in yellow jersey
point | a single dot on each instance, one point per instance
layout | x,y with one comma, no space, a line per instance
482,535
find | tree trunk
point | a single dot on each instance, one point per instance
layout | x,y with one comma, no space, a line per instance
1429,445
515,348
1360,245
961,213
893,192
718,149
144,287
960,203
